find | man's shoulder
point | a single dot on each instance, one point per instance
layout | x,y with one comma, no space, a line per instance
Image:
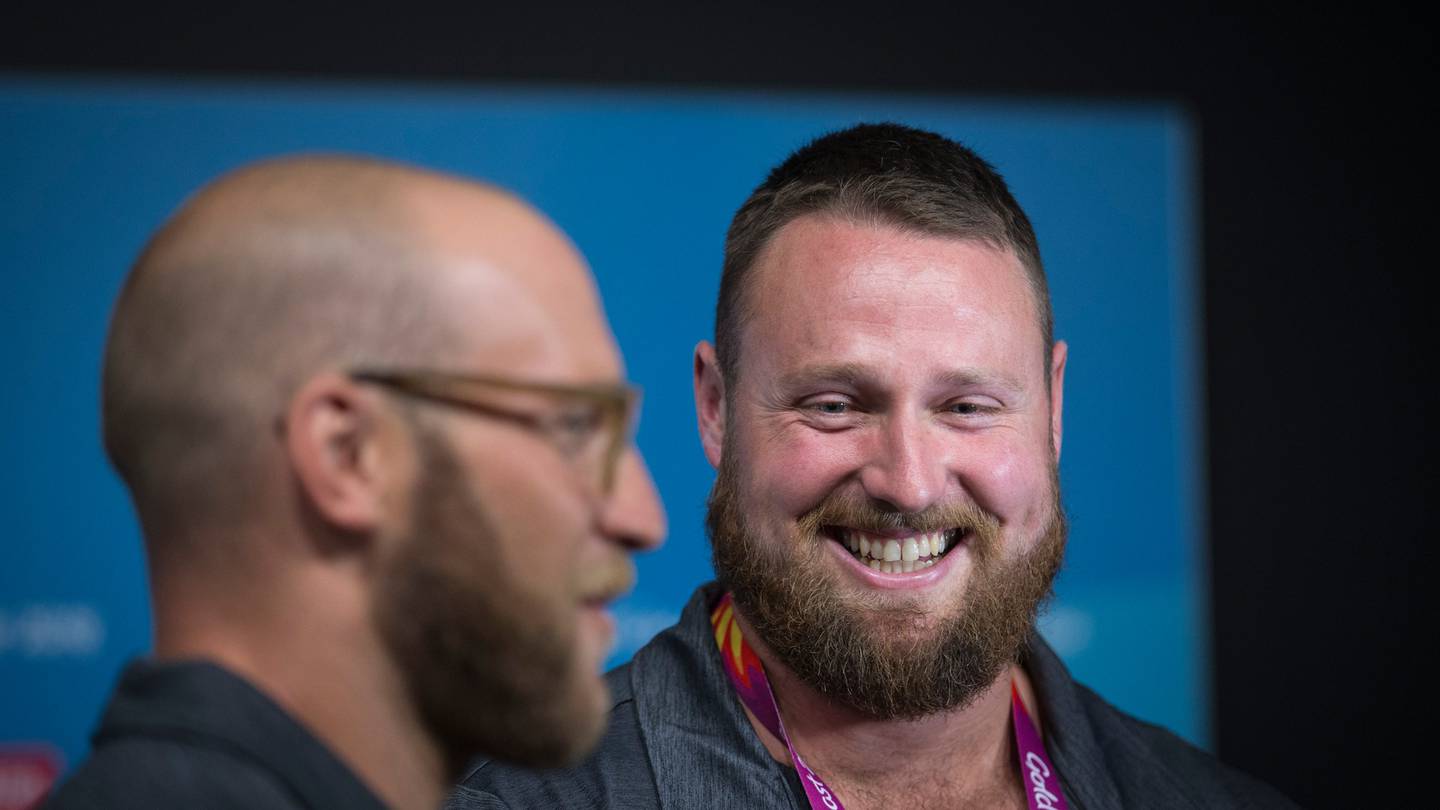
1108,758
617,774
192,734
1151,764
148,772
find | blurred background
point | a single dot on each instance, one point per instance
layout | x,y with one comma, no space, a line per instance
1223,204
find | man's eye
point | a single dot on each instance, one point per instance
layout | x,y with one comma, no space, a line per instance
831,407
969,408
575,428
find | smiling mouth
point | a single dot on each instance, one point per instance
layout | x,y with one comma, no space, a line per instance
896,555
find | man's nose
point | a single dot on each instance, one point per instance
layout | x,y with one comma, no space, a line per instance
633,515
906,467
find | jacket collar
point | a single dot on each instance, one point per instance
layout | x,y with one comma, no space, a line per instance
684,700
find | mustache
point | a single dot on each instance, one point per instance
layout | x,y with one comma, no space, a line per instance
607,581
856,512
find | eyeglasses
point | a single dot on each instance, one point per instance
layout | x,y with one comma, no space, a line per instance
589,425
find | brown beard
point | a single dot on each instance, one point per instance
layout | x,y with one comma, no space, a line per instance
490,667
886,660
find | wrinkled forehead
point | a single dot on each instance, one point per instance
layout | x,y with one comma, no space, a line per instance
828,286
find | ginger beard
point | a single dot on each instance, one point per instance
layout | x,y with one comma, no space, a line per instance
885,658
491,667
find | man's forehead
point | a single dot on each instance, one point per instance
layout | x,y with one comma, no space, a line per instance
810,245
826,266
536,317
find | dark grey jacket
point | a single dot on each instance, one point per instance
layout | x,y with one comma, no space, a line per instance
193,735
678,738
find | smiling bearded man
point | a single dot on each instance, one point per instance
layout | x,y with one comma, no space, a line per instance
883,405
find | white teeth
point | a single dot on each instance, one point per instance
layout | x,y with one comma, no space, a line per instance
895,556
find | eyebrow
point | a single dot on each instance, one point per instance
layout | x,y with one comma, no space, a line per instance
975,378
852,374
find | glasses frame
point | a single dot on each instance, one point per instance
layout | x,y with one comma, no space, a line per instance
618,402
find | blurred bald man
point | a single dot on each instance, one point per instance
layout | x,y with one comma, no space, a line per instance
373,424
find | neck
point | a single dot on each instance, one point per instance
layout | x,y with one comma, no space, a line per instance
300,644
963,752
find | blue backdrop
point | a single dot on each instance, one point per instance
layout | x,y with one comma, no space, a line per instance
645,182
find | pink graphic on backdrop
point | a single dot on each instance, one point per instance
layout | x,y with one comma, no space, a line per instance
27,772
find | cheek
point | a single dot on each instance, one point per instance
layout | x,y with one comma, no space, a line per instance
539,522
1010,481
793,471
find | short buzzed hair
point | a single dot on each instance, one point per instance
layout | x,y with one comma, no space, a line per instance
271,274
884,173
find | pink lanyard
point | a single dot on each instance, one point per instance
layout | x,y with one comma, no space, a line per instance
748,677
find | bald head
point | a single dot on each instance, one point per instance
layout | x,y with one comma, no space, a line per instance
292,267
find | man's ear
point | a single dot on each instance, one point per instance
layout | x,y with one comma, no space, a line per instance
1057,394
332,439
709,402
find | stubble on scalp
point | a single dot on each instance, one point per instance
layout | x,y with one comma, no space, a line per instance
884,659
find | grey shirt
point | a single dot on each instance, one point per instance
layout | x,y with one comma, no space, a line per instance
678,738
193,735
